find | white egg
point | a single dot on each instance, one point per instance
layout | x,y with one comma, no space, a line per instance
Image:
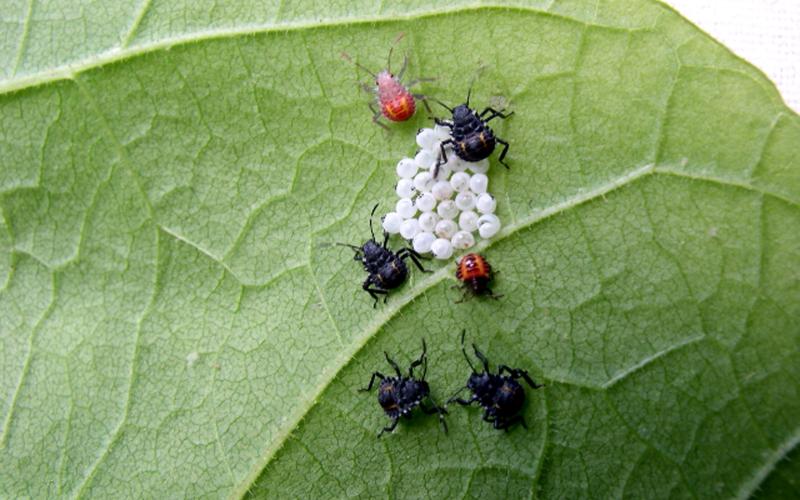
405,207
462,240
447,209
468,221
407,168
423,241
391,222
478,183
409,228
486,204
405,188
442,249
465,200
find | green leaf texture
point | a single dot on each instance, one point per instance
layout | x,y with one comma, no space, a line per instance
173,324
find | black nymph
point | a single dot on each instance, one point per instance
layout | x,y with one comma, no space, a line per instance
386,269
500,396
470,135
399,395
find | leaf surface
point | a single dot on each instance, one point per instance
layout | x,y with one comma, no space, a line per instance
173,322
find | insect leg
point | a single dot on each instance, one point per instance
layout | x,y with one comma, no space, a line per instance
464,350
403,68
443,123
376,116
356,249
503,152
493,113
394,365
462,402
479,355
465,295
443,156
517,373
438,410
424,99
419,80
390,427
491,294
423,360
373,291
371,381
414,256
504,424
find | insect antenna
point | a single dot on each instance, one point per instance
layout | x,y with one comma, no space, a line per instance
371,215
464,350
440,103
348,245
391,49
474,79
347,57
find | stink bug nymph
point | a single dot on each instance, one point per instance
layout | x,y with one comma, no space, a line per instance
500,396
400,394
475,273
386,269
471,138
394,100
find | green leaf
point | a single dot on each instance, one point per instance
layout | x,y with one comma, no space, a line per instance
173,324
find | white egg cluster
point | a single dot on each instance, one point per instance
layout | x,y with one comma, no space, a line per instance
439,215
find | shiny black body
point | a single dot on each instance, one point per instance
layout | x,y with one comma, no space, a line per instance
399,395
386,269
471,137
500,396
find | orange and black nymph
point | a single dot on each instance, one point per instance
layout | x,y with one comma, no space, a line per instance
474,271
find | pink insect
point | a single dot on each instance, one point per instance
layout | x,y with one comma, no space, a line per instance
394,99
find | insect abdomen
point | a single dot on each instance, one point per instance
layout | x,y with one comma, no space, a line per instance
399,108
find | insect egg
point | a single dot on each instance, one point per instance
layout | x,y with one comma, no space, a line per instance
405,188
488,225
486,203
425,159
442,133
447,209
460,181
465,200
479,167
425,202
445,229
405,207
391,222
468,220
442,190
427,221
423,241
442,249
462,240
423,182
428,139
478,183
407,168
409,228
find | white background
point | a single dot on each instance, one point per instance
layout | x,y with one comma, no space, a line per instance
764,32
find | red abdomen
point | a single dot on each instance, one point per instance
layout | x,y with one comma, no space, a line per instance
398,108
